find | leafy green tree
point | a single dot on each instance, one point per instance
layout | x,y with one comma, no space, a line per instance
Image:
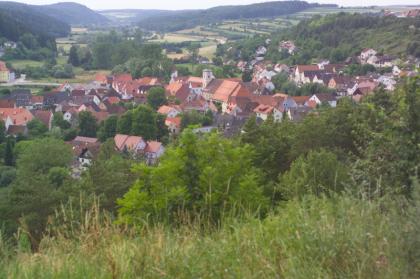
320,172
247,76
74,56
109,178
9,158
144,123
2,131
156,97
108,128
125,122
185,181
58,121
37,129
32,196
87,124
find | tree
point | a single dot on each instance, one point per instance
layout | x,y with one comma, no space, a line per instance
185,181
9,159
87,124
247,76
33,196
156,97
162,130
74,56
58,121
320,172
144,123
36,129
108,128
125,122
110,177
2,131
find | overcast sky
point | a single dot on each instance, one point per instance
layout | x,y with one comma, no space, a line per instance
201,4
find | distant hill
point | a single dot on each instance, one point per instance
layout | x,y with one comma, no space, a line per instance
178,20
73,14
127,16
17,19
339,36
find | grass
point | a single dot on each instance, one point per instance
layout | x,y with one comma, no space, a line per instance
22,64
313,238
208,51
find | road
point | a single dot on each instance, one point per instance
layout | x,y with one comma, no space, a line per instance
28,83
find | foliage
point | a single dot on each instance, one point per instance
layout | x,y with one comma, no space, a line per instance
156,97
36,129
87,124
184,181
179,20
343,237
339,36
319,173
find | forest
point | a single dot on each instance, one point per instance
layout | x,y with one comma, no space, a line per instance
179,20
342,35
335,195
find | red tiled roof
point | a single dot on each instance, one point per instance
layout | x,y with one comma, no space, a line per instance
153,147
113,100
4,103
125,141
37,99
178,90
266,109
301,99
44,116
165,110
174,120
307,68
19,116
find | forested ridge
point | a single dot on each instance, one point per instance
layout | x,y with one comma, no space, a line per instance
343,35
17,19
179,20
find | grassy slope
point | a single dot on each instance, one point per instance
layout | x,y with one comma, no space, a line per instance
317,238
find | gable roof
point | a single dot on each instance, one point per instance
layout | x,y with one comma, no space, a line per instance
7,103
301,100
19,116
44,116
173,120
127,142
153,147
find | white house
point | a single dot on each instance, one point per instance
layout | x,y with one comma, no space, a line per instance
367,53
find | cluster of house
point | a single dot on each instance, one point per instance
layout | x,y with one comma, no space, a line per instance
409,13
86,149
6,75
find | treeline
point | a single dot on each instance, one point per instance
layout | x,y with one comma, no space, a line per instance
115,52
17,19
337,37
187,19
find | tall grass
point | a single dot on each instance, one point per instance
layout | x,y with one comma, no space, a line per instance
314,238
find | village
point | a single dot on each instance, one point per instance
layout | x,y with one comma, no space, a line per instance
230,102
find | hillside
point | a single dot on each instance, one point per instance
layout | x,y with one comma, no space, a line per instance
188,19
342,35
17,19
128,16
72,13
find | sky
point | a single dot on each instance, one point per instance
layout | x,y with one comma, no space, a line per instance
202,4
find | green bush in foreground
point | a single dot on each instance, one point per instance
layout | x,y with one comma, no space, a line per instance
341,237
